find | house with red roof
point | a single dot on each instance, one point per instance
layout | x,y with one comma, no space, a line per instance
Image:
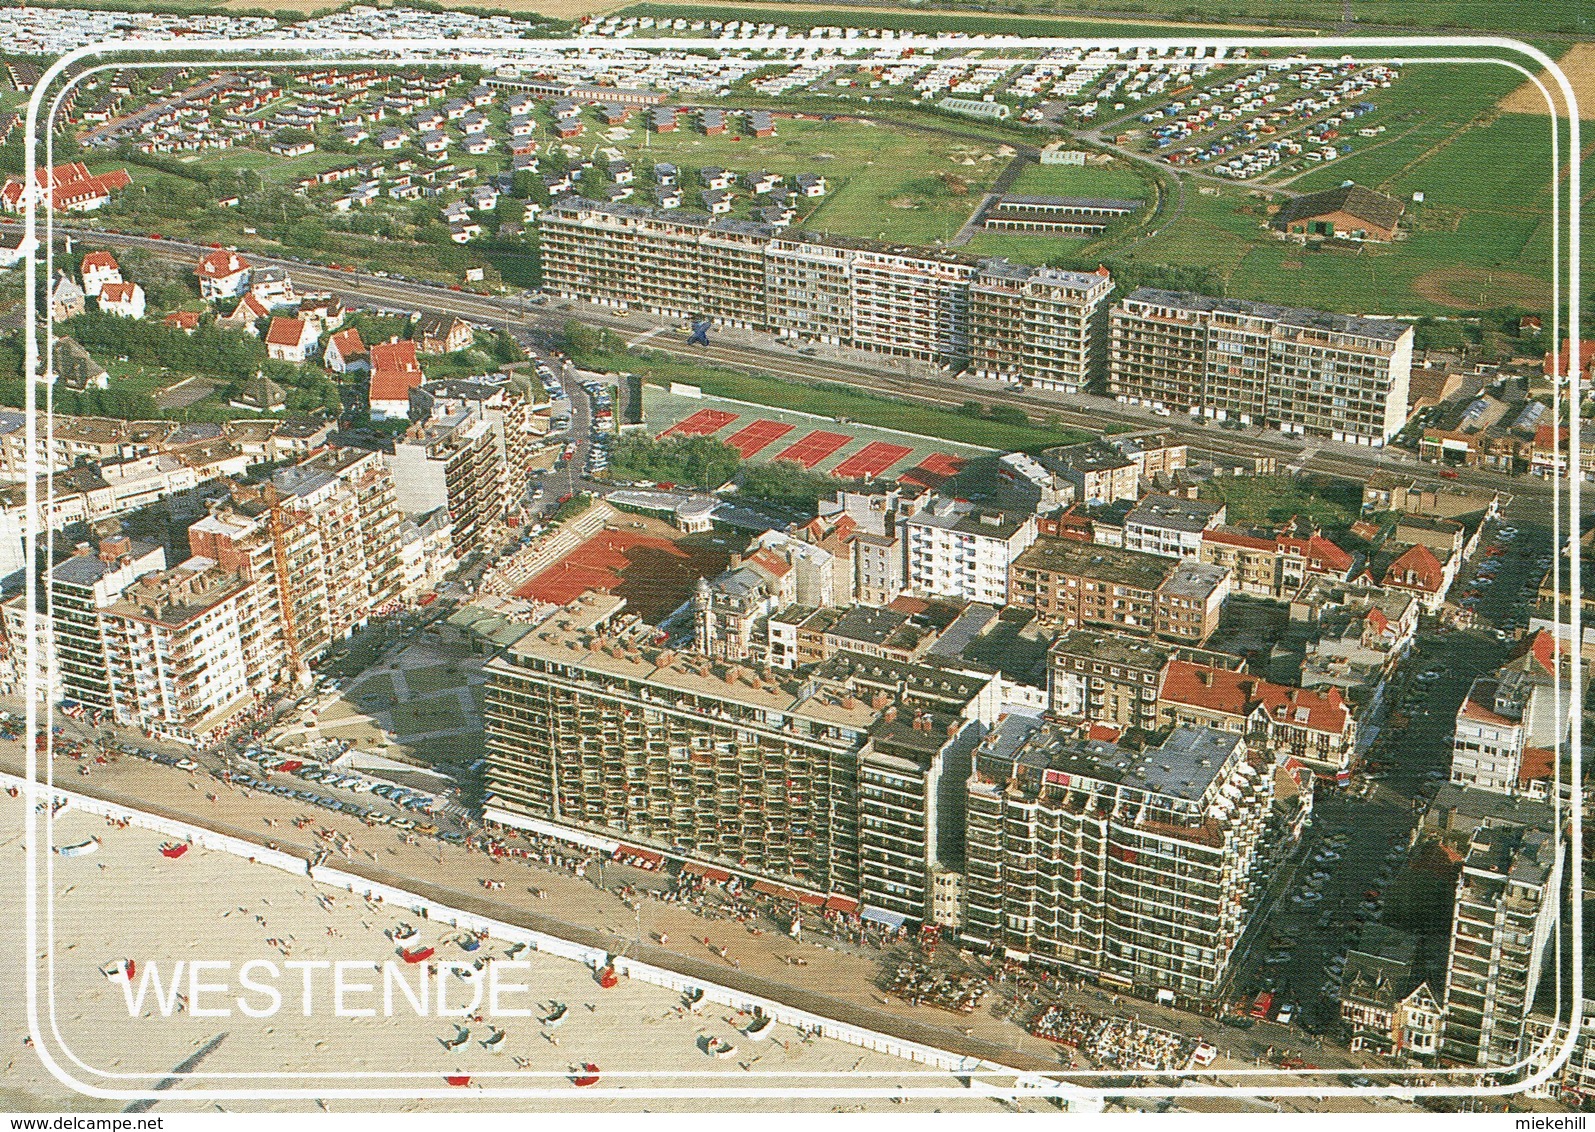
290,339
1274,564
1509,728
186,321
98,269
66,188
1556,364
1419,571
1316,726
246,316
222,274
395,371
346,353
125,300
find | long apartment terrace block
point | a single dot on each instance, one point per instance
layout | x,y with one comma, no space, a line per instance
1007,320
1301,371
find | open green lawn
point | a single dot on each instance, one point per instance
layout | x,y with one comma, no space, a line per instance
1481,239
1268,501
884,182
1117,180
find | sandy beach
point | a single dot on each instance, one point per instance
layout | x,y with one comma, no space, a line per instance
127,900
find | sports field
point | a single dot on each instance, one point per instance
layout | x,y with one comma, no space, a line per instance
757,436
652,567
844,449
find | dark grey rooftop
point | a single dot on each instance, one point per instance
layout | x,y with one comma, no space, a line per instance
1387,330
1171,512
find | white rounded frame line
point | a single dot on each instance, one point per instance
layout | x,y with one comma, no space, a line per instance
383,52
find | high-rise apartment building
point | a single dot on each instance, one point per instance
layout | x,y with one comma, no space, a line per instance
1506,908
455,459
1038,326
959,551
1135,867
82,587
1024,324
175,644
323,535
823,780
1300,371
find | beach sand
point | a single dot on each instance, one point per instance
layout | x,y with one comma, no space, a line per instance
127,900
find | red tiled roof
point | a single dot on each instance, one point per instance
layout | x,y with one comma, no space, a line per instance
183,320
348,343
769,562
1234,536
394,371
116,293
1586,356
252,306
1418,568
1538,764
219,264
99,261
1544,648
1240,694
1546,437
1319,552
1478,707
286,332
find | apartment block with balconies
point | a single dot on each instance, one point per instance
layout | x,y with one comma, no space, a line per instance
1135,868
1301,371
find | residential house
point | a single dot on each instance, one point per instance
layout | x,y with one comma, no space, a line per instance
442,334
346,353
394,372
125,300
66,298
98,269
290,339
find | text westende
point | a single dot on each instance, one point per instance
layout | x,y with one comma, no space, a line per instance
352,988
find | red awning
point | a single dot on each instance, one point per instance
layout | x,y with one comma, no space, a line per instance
640,854
811,899
693,869
834,903
775,890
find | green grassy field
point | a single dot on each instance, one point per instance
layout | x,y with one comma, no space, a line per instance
836,401
883,182
1332,503
1116,180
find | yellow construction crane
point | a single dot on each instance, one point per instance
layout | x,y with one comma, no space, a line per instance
298,671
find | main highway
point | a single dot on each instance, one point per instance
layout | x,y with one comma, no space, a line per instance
1531,498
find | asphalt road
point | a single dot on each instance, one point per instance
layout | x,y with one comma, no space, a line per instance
1425,694
1532,497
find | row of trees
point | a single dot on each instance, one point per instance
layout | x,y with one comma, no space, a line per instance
705,463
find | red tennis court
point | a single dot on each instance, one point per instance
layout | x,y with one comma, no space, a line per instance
934,470
871,460
653,574
815,447
701,423
757,436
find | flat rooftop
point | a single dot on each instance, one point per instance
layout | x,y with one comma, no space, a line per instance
1086,559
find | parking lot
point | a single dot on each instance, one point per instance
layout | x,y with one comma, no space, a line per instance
1358,863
